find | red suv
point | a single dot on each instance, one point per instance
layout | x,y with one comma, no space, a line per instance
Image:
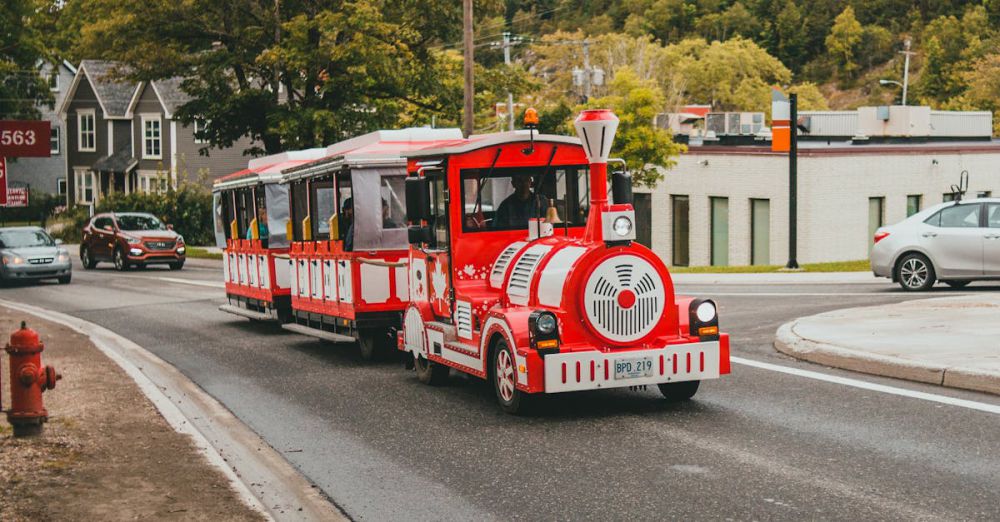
130,239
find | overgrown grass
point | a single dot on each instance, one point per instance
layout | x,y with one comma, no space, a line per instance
201,253
861,265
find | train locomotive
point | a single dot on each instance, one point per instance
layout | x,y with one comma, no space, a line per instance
522,272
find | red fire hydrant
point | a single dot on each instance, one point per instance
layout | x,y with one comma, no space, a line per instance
28,379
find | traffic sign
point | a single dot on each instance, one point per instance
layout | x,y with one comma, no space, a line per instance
17,197
25,139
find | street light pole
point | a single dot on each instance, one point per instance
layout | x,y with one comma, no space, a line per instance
906,68
793,184
467,116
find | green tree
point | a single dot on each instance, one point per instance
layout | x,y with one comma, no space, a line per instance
21,50
789,36
841,43
644,147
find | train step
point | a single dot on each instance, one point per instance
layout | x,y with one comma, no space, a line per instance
317,333
243,312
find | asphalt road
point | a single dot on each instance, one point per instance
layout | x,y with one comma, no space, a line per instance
757,444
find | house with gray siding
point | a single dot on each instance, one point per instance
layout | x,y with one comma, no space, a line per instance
47,174
124,137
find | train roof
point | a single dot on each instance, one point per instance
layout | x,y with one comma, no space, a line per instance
482,141
267,169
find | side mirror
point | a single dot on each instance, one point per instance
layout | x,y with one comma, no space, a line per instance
621,188
418,199
170,227
417,235
59,241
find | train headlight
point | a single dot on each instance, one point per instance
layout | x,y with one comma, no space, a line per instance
543,330
546,324
706,311
622,226
703,319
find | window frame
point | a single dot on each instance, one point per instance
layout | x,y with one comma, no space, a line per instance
91,114
196,127
572,188
150,118
61,186
80,176
57,130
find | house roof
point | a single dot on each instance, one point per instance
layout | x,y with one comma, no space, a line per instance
168,92
121,161
112,93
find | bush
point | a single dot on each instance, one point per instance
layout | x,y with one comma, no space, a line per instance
40,207
188,209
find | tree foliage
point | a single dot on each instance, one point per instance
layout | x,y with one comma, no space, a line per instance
21,53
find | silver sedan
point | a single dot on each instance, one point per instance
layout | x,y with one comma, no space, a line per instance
30,254
954,243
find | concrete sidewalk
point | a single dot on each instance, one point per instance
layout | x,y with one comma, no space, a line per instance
951,341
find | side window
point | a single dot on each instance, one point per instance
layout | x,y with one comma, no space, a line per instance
323,208
960,216
102,222
993,215
439,209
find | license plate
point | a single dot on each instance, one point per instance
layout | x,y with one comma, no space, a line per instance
633,368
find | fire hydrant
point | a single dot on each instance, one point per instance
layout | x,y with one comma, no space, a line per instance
28,379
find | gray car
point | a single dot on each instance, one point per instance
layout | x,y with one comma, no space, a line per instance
30,254
954,243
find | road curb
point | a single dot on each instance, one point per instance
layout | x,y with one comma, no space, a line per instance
259,474
787,341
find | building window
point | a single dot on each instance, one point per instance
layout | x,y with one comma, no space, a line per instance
54,142
720,231
83,180
152,182
54,80
680,246
760,231
913,204
151,137
86,133
984,194
61,186
876,218
199,127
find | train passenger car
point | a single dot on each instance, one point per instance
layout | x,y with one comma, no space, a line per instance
521,272
349,247
251,214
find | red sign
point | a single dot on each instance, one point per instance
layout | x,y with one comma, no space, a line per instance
25,139
17,197
3,181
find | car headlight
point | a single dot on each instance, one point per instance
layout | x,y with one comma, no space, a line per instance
135,252
622,226
180,250
180,238
706,311
132,240
63,256
12,259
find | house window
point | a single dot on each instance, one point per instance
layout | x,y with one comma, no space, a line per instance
199,127
720,231
152,182
86,133
760,231
680,208
61,186
54,142
151,136
54,80
84,182
913,204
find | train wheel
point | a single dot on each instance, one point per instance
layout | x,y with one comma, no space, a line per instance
503,374
430,372
374,345
679,391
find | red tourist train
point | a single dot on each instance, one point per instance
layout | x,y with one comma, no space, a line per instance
496,255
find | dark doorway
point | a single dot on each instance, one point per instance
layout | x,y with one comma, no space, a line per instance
681,210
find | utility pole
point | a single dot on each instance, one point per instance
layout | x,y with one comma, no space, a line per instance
587,81
510,97
793,184
470,88
906,67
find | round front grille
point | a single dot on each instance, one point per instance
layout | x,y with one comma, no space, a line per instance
624,298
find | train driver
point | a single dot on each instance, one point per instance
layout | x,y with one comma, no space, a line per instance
520,206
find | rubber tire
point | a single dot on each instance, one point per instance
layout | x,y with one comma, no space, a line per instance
121,262
519,402
429,372
931,274
962,283
64,280
177,266
87,261
373,345
679,391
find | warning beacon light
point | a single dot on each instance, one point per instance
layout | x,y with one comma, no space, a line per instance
596,128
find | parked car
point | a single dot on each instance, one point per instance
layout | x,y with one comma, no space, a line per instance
130,239
30,254
954,243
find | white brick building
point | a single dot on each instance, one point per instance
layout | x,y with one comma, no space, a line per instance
705,210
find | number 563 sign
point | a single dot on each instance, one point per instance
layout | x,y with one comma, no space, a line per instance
24,139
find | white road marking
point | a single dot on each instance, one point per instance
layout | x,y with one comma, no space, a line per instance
881,388
210,284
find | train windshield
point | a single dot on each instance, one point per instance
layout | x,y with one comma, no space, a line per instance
507,198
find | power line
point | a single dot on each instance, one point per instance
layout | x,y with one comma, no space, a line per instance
521,18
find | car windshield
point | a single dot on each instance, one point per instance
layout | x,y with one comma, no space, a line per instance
139,222
25,238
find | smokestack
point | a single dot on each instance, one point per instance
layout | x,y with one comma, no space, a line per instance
596,128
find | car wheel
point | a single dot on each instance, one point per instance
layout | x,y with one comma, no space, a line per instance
915,273
429,372
503,375
958,284
374,345
121,264
86,259
679,391
177,266
64,280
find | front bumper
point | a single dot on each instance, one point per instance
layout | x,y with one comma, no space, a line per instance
29,272
592,369
146,256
